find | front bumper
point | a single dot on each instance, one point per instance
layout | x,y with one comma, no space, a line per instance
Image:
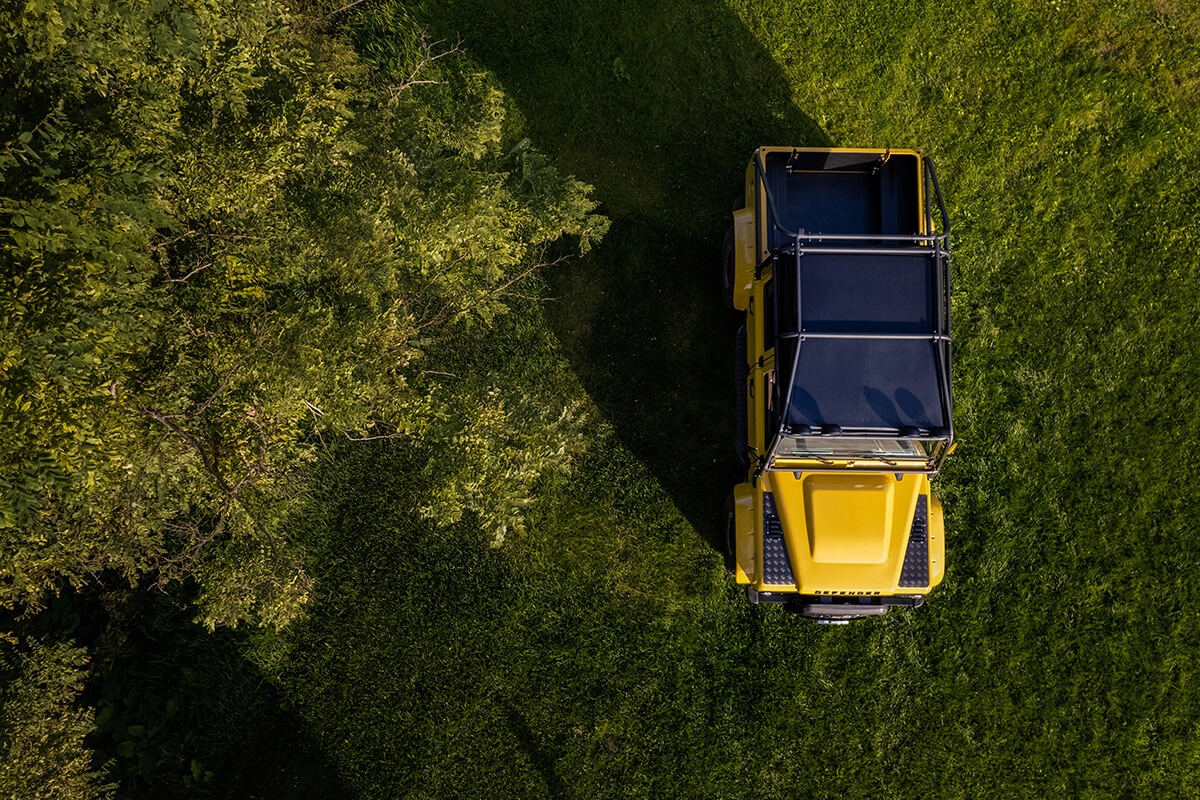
835,610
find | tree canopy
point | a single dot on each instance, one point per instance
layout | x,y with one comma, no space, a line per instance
229,243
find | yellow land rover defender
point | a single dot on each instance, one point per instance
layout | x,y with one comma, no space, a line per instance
843,379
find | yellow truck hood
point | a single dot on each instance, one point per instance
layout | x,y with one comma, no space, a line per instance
846,532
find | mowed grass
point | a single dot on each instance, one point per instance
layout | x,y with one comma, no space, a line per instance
605,652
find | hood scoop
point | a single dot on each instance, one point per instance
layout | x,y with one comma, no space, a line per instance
849,518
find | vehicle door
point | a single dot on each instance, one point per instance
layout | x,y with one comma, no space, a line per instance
763,391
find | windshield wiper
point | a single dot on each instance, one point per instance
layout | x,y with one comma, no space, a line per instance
887,461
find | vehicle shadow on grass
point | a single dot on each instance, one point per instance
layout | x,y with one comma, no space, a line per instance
659,108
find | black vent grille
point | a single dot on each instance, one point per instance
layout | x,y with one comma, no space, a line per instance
916,560
777,567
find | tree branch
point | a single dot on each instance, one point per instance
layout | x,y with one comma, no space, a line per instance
191,441
346,7
427,58
450,310
184,279
373,438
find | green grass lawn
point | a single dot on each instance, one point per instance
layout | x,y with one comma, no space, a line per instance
605,652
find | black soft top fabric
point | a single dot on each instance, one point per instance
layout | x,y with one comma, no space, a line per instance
866,382
867,294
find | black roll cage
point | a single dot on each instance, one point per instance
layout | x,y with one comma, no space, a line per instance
935,244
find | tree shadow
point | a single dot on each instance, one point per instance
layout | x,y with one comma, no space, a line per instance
183,712
659,108
543,759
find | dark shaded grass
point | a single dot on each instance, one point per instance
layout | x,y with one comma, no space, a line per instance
180,711
605,653
530,671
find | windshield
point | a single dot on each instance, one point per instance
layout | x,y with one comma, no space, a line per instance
842,448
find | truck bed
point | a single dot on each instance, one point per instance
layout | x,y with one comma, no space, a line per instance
842,193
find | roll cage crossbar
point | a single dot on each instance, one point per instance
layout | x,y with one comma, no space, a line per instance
934,245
